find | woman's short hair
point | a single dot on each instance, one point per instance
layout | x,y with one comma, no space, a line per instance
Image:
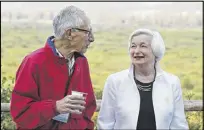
69,17
157,43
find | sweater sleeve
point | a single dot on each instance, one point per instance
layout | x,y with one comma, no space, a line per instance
91,100
27,110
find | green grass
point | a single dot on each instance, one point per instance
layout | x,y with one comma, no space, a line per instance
109,54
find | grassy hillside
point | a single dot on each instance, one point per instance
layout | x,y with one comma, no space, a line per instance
108,54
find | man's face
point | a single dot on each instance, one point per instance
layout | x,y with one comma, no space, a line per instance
83,37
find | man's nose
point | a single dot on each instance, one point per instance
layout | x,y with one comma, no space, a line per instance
91,37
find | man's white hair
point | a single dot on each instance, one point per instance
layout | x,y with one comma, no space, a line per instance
157,43
69,17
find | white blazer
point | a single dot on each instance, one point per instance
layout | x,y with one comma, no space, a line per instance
121,102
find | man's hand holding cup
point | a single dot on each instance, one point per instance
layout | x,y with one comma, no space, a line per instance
74,103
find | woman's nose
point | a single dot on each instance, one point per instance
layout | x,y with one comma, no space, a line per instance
137,50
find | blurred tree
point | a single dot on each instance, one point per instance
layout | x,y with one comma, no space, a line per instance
41,15
51,15
187,84
9,16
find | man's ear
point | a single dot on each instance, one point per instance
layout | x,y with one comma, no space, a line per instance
67,34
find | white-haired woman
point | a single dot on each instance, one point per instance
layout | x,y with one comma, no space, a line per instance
144,96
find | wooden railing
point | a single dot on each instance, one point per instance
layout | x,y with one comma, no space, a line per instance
190,105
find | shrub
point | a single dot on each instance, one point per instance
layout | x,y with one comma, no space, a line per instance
6,121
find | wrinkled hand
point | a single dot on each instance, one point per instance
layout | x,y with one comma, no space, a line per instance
71,104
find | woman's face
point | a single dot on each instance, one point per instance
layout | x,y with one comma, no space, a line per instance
140,50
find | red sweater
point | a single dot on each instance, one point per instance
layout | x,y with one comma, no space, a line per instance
40,81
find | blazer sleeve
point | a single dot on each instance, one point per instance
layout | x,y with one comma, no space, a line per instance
106,117
27,110
179,119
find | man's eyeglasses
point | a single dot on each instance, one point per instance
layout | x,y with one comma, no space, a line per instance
83,30
87,32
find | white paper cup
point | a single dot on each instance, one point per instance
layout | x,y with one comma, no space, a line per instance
80,94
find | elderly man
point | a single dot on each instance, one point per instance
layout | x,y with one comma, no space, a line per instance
42,97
